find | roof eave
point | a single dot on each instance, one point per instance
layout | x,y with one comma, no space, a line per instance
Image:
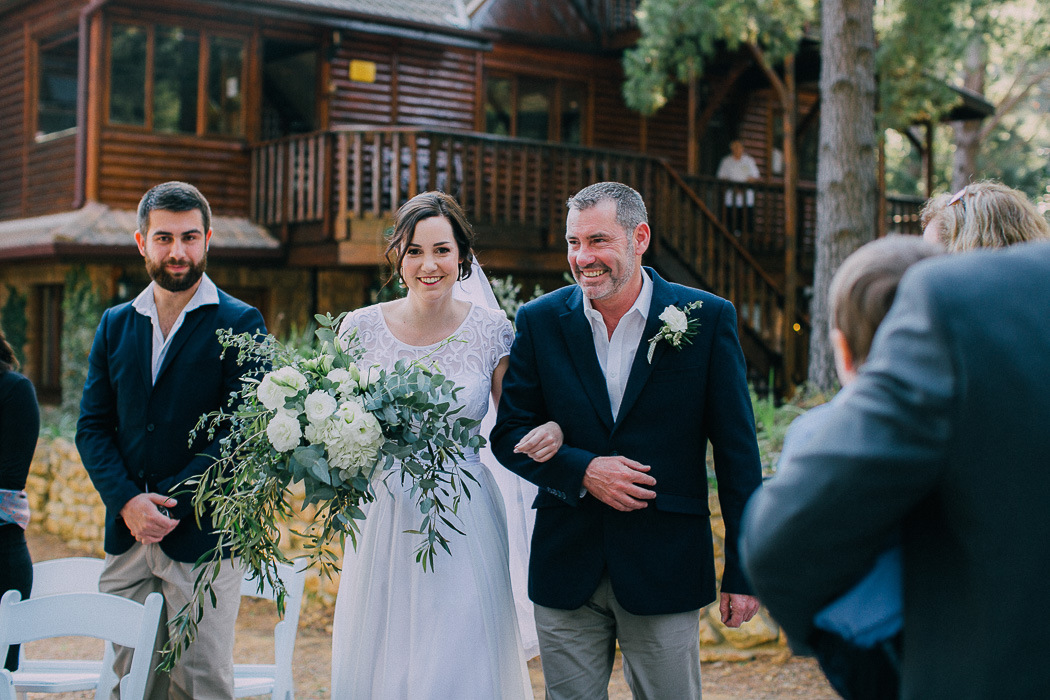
360,21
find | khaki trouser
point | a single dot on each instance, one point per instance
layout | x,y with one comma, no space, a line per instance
661,653
205,670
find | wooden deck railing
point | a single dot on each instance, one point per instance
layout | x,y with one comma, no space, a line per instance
515,190
689,230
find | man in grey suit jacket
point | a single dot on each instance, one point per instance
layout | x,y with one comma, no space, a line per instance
945,435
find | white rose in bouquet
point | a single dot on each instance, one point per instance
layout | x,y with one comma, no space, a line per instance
284,432
319,405
279,385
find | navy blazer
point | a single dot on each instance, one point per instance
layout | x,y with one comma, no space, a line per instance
660,559
943,435
133,435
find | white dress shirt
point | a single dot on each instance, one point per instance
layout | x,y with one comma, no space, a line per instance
741,169
145,304
616,354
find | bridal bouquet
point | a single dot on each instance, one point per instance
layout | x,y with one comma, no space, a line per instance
314,417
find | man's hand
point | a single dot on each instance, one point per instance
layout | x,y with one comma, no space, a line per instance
142,516
542,442
737,608
619,482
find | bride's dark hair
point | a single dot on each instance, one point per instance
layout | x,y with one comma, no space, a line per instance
424,206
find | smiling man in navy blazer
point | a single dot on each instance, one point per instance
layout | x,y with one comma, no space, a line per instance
622,549
155,368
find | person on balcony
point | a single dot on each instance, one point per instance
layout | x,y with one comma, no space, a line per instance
738,166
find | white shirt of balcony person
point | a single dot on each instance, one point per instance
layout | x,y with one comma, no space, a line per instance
738,166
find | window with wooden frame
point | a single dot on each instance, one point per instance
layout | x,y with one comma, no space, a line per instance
171,79
533,107
56,84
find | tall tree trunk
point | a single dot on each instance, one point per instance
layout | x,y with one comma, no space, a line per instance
969,134
847,166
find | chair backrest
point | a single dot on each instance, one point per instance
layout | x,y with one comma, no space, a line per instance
294,578
72,575
7,685
98,615
66,575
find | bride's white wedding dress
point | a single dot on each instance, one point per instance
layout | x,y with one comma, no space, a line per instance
400,632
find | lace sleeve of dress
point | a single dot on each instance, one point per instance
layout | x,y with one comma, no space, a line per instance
505,337
497,332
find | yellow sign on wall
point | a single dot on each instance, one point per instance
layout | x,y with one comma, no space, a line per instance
363,71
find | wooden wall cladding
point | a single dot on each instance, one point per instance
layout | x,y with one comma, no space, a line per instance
35,178
615,126
435,86
132,162
360,102
12,108
667,131
49,178
415,84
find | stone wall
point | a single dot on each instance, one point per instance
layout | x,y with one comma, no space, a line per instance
65,503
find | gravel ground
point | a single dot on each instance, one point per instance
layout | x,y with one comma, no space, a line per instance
777,676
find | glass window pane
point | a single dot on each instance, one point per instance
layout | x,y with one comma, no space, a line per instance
57,89
573,103
225,91
534,107
127,75
175,70
498,108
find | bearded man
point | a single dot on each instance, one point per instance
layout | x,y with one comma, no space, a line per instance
155,367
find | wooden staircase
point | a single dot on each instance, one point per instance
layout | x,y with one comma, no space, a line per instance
342,187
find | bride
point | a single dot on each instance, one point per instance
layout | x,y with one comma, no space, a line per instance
452,632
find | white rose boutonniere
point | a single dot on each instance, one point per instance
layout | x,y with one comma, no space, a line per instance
678,328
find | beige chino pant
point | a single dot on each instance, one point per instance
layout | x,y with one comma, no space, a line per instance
205,670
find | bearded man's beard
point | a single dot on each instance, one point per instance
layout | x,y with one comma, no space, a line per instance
165,280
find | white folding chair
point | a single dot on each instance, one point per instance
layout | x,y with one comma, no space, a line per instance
7,685
274,679
97,615
66,575
54,577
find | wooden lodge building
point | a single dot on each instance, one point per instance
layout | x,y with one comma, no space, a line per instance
307,123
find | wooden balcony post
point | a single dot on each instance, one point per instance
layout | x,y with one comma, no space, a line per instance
395,171
377,174
358,174
342,150
413,165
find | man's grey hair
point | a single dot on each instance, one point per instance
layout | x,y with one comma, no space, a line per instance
630,209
